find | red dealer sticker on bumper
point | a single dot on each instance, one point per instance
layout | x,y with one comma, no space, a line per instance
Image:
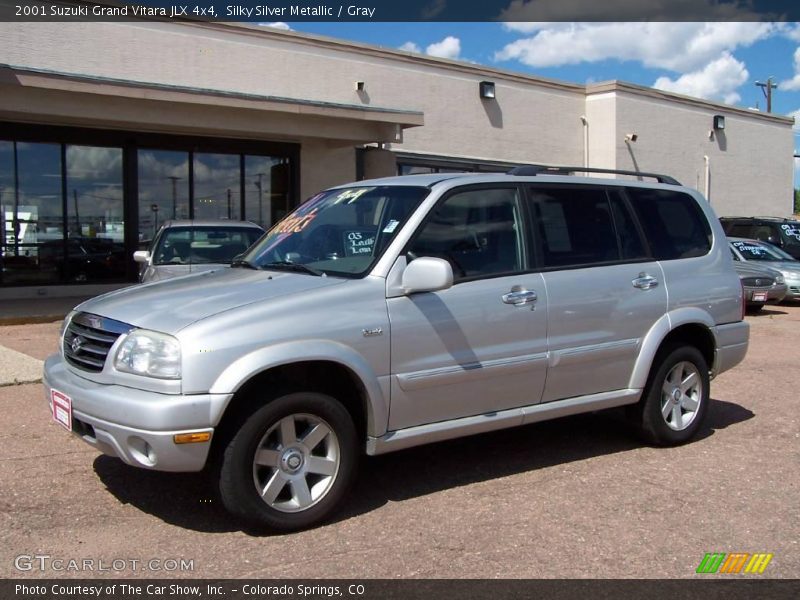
62,409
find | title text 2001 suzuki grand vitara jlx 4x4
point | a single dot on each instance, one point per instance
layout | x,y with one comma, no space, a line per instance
401,311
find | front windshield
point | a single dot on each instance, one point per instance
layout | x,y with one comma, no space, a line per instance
198,245
760,251
340,232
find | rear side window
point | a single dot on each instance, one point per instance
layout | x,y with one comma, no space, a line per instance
583,226
673,223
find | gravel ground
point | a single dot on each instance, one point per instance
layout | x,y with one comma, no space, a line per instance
577,497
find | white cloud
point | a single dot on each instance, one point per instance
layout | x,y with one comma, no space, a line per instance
793,84
796,115
718,80
679,47
449,47
411,47
278,25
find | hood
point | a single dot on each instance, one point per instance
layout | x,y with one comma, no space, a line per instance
749,269
162,272
169,306
789,268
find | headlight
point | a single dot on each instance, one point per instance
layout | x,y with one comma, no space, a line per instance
779,279
151,354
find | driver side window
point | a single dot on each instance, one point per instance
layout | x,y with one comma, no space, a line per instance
479,232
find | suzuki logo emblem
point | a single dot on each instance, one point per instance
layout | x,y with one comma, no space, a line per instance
76,344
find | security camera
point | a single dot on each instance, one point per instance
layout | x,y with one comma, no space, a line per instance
631,137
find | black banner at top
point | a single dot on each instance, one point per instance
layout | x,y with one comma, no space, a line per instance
259,11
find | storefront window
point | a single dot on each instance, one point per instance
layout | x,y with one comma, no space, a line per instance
163,190
66,194
32,213
95,221
266,189
217,186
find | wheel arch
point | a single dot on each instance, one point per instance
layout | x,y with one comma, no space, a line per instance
320,366
687,326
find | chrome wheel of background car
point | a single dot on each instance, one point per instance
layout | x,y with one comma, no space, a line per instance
296,462
681,395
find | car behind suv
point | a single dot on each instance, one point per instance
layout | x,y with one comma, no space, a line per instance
395,312
783,233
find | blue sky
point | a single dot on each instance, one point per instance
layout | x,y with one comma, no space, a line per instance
717,61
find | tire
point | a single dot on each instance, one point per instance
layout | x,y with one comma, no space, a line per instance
675,401
291,463
754,308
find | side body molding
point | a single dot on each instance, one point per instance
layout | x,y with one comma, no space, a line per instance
660,330
244,368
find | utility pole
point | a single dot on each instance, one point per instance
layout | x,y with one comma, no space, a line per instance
77,217
174,193
767,88
260,200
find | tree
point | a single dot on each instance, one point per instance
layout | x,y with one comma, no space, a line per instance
796,200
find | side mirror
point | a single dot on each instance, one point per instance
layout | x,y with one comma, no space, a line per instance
427,274
141,256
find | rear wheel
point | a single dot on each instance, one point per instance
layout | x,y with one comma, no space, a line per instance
291,463
675,400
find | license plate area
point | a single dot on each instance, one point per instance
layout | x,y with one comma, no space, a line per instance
759,296
62,409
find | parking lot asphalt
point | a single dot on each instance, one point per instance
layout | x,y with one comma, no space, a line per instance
576,497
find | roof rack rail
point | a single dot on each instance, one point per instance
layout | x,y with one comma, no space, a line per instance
533,170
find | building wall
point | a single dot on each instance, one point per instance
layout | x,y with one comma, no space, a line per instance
528,122
532,120
750,165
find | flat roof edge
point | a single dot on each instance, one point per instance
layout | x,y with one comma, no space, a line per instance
631,88
415,116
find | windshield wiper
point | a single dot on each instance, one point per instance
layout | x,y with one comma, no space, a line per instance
292,266
243,262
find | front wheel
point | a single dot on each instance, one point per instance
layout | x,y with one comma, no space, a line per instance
675,400
291,463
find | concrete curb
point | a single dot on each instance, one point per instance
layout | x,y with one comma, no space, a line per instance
17,368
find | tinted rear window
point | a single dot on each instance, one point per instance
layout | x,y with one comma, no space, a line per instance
674,225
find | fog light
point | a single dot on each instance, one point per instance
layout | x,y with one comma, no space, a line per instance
191,438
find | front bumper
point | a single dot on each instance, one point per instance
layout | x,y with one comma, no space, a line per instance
135,425
775,294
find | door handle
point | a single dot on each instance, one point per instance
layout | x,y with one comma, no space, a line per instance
645,281
519,296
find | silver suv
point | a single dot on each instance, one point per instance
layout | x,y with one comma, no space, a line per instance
395,312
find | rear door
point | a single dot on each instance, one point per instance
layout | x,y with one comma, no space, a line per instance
604,290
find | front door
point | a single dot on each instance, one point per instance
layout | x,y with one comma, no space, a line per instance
480,346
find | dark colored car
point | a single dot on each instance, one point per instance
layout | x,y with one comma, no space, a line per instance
783,233
761,285
88,259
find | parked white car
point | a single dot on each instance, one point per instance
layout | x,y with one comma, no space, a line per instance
183,247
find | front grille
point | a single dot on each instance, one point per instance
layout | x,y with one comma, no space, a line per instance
758,281
88,338
794,289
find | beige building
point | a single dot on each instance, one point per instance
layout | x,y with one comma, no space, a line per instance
108,129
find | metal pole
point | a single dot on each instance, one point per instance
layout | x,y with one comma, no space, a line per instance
15,214
77,217
229,203
260,201
174,194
